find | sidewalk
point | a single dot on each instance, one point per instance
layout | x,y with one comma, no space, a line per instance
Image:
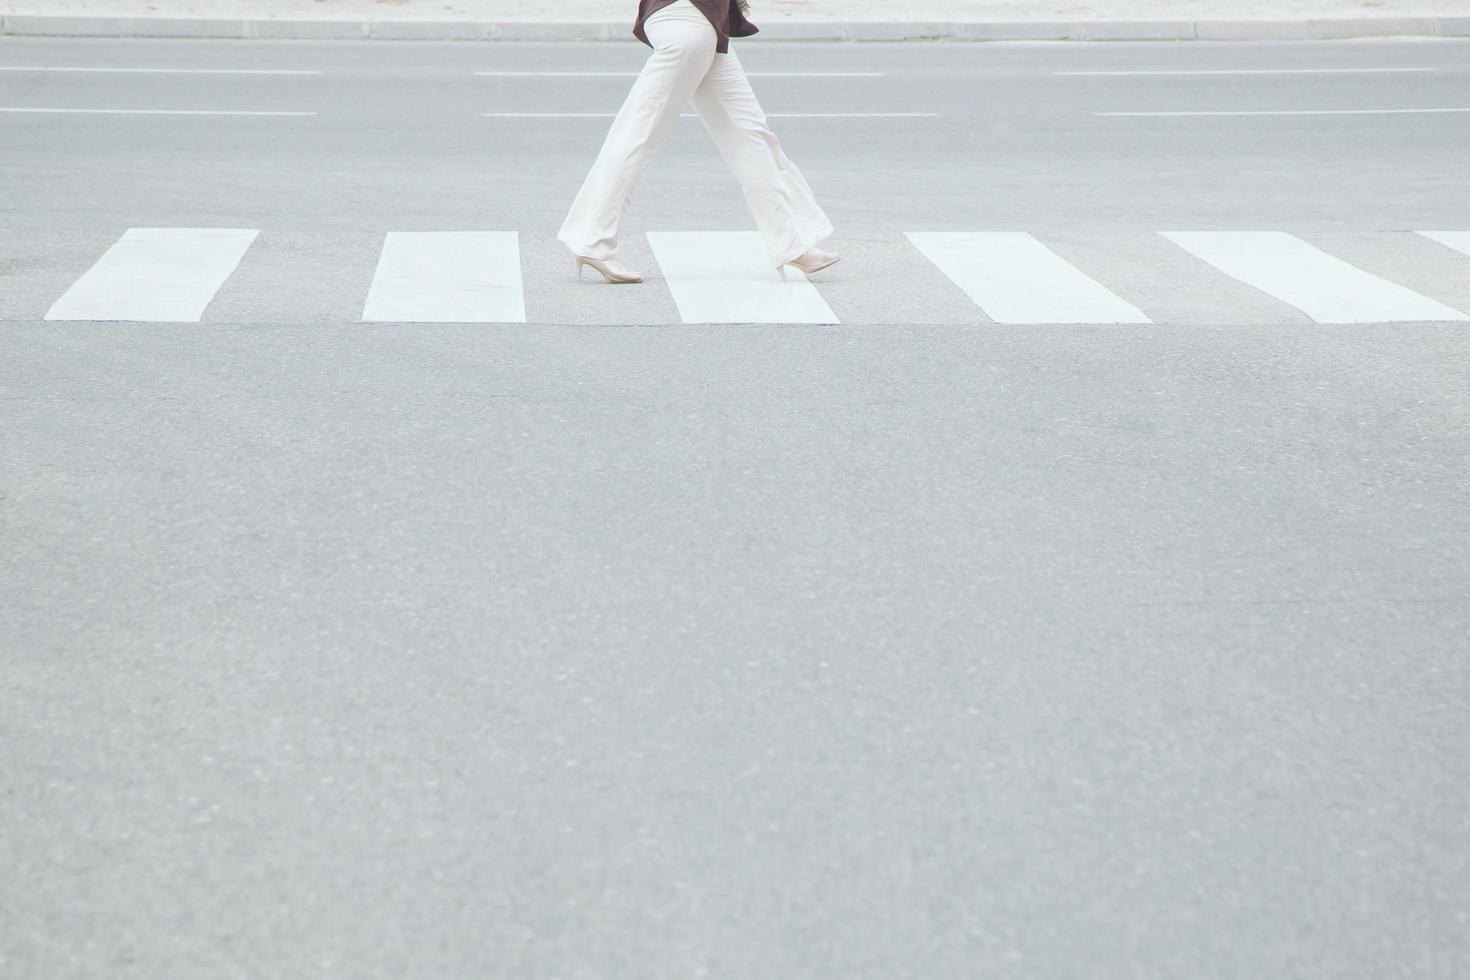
778,19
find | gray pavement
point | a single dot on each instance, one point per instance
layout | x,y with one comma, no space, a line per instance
607,645
803,20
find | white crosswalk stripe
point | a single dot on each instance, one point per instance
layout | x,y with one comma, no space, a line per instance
1457,240
1016,279
719,277
161,275
1322,286
724,277
448,277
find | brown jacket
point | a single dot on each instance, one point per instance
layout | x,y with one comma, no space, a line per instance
725,15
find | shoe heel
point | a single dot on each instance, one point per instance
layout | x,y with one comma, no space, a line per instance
608,275
781,271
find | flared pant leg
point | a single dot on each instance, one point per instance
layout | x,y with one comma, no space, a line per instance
683,48
784,208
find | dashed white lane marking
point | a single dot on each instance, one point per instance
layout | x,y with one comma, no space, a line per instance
693,115
151,112
558,74
1297,112
853,115
165,71
1457,240
1322,286
1248,71
1016,279
165,275
634,74
724,277
448,277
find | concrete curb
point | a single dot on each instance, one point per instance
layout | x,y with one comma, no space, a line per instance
23,25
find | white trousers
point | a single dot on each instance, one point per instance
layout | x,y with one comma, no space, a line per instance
684,67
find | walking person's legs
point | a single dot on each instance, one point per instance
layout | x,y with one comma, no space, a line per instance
784,208
684,45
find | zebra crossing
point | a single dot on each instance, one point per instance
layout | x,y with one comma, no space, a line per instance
158,274
719,276
177,275
1324,287
1014,278
447,277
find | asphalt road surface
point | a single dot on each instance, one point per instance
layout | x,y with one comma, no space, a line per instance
925,639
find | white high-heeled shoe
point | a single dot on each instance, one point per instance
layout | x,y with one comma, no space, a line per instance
612,270
813,260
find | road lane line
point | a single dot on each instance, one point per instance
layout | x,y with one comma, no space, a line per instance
151,112
165,71
163,275
1016,279
447,277
634,74
558,74
1295,112
724,277
692,115
1249,71
852,115
1322,286
1457,240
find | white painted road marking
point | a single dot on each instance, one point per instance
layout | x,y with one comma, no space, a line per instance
1295,112
1248,71
853,115
448,277
1016,279
558,74
724,277
694,115
172,275
166,71
634,74
152,112
165,275
1324,287
1457,240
